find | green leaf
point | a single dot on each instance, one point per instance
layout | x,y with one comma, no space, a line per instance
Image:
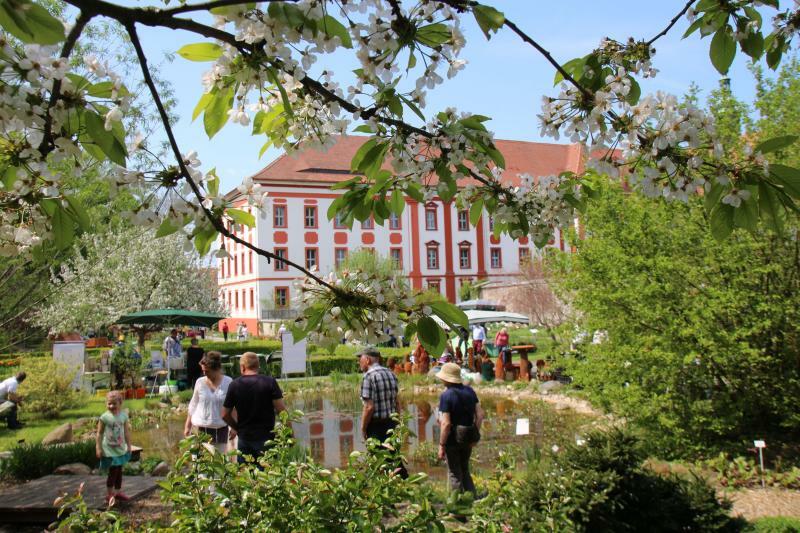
475,211
333,28
364,128
753,45
30,22
78,212
166,228
769,207
201,52
746,215
242,217
489,19
413,190
635,93
108,143
413,107
433,35
204,238
450,313
361,153
573,67
431,335
721,221
212,182
410,331
216,115
693,27
202,104
62,225
787,177
398,202
722,50
287,105
372,160
104,89
775,143
9,177
711,199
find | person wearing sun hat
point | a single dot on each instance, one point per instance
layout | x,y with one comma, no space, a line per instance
460,419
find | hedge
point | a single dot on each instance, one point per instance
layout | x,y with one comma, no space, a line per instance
343,359
30,461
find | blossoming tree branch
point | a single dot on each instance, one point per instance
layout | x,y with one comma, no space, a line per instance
55,119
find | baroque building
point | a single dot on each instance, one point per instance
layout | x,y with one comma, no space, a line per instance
433,243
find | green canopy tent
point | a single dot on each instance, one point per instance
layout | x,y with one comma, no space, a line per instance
170,317
155,319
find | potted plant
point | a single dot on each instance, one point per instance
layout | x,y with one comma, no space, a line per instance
126,365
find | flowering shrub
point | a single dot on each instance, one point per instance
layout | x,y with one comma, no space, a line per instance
47,390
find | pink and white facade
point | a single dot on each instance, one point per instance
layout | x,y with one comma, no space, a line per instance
433,243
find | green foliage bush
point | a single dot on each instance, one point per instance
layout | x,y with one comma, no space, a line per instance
702,336
600,485
30,461
208,492
775,524
47,390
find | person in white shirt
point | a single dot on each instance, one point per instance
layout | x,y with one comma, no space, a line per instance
478,338
10,400
205,407
172,346
244,332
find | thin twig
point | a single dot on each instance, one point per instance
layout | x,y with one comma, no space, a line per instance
672,22
188,8
215,221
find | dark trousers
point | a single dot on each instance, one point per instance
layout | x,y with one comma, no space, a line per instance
225,335
379,429
458,467
255,448
11,416
114,479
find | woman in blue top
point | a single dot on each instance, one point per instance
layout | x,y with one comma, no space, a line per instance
460,419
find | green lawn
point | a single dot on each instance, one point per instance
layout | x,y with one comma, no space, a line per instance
37,428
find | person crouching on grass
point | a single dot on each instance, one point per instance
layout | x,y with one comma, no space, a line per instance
113,445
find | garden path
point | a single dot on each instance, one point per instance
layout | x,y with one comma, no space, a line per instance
32,502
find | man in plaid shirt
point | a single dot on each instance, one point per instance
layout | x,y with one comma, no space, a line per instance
379,394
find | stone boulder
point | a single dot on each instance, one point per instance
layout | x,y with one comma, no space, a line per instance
61,435
161,469
73,469
549,386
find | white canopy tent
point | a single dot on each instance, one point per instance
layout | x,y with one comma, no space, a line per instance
489,317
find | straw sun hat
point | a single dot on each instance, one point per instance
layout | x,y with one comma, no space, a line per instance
450,372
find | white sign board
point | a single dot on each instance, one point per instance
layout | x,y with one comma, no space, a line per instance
71,354
294,355
523,426
760,444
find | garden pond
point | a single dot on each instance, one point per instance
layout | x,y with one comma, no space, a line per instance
329,429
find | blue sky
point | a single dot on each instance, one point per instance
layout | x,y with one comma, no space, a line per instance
504,78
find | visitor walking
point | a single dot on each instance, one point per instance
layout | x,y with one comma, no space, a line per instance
379,395
501,339
205,407
460,419
239,329
194,354
244,332
172,346
225,331
478,337
10,400
113,445
256,399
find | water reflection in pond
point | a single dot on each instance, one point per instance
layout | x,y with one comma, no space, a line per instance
330,428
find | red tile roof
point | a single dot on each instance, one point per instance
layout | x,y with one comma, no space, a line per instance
315,166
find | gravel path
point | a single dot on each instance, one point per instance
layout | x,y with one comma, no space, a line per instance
755,503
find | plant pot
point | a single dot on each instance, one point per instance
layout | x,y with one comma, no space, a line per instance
140,393
130,394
